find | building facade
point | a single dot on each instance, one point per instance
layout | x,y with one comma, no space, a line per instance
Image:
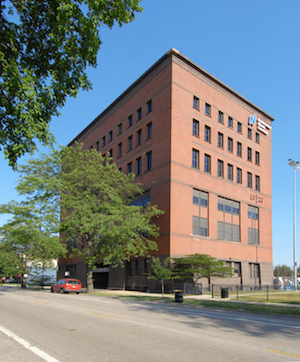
203,154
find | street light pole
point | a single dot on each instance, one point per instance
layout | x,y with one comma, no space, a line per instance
296,166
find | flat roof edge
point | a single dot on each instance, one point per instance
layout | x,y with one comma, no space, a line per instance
185,59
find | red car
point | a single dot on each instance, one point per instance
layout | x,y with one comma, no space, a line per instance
67,285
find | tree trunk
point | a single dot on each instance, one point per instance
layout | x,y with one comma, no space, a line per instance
162,288
23,282
89,282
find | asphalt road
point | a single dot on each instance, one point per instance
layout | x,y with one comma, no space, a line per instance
38,326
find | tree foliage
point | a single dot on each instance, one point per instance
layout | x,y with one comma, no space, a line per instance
161,271
32,234
96,204
196,266
283,271
45,47
83,195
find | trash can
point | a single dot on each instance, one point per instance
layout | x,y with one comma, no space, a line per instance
224,292
178,296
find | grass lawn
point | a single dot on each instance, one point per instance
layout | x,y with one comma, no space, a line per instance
251,307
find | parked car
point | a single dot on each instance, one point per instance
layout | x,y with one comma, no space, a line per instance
67,285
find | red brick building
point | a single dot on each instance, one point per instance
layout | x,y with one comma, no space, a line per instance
203,154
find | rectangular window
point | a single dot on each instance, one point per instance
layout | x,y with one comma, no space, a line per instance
200,226
200,198
110,136
110,152
257,160
239,127
220,168
221,117
120,149
228,231
239,149
230,122
249,135
249,180
139,114
230,172
220,139
195,159
139,166
129,143
149,130
97,146
252,212
257,137
253,236
207,109
195,127
207,136
257,183
129,121
249,154
149,105
103,141
120,128
230,145
207,163
129,167
228,206
237,269
239,175
196,103
149,160
139,137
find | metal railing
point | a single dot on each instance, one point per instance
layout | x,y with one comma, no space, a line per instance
251,293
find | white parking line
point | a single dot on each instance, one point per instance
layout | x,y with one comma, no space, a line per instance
27,345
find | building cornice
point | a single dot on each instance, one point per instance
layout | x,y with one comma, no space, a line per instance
167,58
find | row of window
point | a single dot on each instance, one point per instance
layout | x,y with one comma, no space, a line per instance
139,140
221,171
207,111
226,230
207,138
140,267
110,136
139,164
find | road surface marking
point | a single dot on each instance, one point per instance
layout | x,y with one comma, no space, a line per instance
45,356
287,354
106,315
38,301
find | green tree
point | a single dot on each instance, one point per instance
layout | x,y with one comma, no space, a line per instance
33,232
45,48
283,271
196,266
96,207
161,271
25,239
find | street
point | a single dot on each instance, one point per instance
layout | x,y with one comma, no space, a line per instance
39,325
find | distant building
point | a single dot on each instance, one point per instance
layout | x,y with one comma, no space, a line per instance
203,154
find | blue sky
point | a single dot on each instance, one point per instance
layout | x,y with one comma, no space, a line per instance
250,45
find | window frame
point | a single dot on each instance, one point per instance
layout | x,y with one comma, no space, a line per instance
220,140
207,134
207,163
196,103
196,125
208,109
195,158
